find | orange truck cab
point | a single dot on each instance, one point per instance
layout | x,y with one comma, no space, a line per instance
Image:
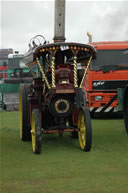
106,74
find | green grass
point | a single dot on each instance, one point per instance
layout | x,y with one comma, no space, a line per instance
62,167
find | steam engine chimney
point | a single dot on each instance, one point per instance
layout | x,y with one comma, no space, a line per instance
89,37
59,21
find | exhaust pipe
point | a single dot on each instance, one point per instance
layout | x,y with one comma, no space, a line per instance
89,37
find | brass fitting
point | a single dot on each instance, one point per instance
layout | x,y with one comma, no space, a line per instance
85,73
53,72
75,72
43,74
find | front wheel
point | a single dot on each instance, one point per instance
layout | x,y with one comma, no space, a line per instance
36,131
85,130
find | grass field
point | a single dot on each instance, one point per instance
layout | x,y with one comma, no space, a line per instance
62,167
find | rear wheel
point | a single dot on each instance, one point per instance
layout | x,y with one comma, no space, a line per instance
125,108
25,134
85,130
36,131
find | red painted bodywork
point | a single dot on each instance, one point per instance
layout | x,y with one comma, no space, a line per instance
3,71
119,75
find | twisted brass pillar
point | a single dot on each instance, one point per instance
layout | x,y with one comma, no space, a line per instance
53,72
43,74
75,73
89,62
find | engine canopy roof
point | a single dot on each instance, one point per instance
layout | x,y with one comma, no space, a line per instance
65,48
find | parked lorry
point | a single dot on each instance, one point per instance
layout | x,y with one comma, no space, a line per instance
17,73
3,72
106,74
123,100
4,62
125,108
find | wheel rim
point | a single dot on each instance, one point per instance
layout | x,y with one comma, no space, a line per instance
33,132
82,130
20,113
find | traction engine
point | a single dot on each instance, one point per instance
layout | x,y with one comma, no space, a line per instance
55,102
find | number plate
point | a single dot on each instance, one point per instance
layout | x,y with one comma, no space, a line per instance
64,48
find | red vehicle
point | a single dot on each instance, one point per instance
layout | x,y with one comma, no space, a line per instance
106,74
55,102
4,62
3,72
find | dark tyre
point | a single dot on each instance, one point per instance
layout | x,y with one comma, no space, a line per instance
85,130
25,128
75,134
36,131
125,108
92,114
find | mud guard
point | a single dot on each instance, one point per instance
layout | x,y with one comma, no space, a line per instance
81,99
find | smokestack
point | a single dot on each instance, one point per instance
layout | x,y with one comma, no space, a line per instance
59,21
89,37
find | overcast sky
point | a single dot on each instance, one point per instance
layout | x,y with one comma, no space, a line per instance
21,20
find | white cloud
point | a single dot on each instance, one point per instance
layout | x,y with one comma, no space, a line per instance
21,20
